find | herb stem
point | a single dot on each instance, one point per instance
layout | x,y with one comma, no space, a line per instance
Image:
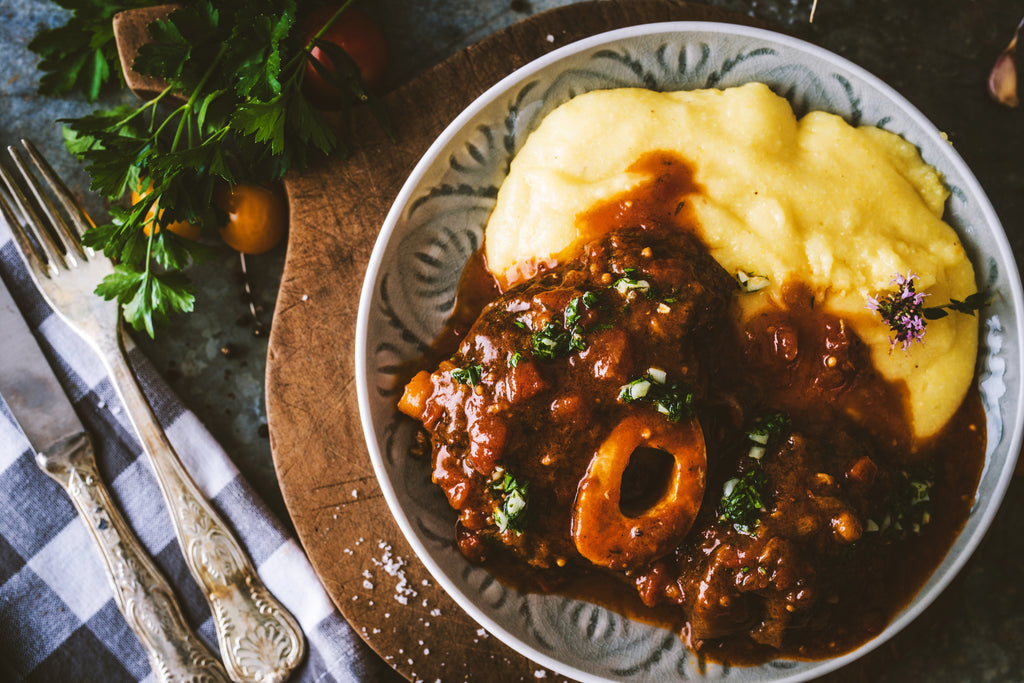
149,105
327,25
186,109
305,53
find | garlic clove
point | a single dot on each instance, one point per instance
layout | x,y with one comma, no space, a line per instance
1002,80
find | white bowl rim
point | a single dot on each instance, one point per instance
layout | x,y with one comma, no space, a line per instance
922,599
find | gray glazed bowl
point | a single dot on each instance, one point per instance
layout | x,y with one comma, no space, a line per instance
437,222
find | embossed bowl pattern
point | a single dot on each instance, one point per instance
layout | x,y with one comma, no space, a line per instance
437,222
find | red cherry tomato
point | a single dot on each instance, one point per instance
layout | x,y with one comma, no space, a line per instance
357,34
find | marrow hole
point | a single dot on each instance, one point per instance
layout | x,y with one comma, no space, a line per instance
645,480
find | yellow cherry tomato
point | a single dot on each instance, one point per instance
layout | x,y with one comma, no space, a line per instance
189,231
257,216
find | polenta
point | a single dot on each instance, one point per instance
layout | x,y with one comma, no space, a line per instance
840,209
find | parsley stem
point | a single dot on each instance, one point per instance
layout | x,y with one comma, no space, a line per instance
149,248
150,105
186,108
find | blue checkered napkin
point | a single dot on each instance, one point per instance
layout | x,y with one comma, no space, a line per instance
58,619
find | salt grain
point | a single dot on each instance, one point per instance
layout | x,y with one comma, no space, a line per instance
395,565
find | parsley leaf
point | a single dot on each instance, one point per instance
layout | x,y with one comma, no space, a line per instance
81,55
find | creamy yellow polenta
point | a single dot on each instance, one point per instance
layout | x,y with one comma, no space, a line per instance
839,208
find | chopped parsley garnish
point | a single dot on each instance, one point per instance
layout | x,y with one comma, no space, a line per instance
514,359
766,430
672,399
557,339
630,282
513,500
743,501
553,342
572,310
910,509
469,375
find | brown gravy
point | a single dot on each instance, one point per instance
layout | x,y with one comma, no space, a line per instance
836,551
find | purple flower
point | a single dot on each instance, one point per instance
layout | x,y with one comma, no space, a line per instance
902,311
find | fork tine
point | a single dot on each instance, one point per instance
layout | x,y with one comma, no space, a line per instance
31,251
54,223
79,216
35,242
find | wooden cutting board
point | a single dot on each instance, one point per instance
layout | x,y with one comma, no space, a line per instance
322,464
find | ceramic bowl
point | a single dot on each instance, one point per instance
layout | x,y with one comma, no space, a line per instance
437,222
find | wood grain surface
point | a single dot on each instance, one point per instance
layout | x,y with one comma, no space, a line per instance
319,452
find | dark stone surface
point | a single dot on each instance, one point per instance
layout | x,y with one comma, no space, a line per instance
937,53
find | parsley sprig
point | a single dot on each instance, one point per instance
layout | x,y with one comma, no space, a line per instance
81,54
233,111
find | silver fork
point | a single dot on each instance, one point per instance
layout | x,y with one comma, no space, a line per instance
260,641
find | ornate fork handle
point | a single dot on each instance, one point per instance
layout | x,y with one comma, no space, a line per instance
259,639
142,594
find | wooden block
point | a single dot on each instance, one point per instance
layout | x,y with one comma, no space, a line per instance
130,33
